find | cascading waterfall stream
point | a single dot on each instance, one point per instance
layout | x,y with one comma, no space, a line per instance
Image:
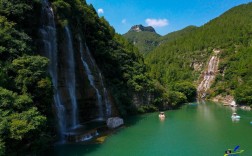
105,93
91,78
47,33
209,75
70,76
106,100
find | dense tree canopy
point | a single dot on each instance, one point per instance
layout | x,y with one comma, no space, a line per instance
145,41
173,61
26,91
25,88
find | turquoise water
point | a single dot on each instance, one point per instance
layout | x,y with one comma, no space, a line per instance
194,130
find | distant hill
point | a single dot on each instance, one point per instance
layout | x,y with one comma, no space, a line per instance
144,38
176,59
178,34
138,28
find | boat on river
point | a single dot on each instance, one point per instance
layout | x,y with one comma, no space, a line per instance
235,116
230,152
161,115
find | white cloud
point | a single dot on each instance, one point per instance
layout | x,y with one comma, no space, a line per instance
124,21
157,22
100,11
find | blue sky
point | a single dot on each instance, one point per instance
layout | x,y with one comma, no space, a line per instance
164,15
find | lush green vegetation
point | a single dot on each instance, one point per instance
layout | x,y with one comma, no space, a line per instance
26,92
173,60
25,88
235,75
176,80
177,34
26,120
145,41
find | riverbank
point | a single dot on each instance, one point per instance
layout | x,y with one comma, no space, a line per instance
228,100
185,129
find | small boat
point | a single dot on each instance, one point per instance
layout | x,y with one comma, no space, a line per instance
233,104
235,116
161,115
235,151
230,152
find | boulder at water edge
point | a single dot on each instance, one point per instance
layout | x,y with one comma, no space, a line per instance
114,122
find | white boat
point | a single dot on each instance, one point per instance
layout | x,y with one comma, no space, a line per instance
235,116
233,104
161,115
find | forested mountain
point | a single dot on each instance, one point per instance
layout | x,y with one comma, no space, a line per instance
177,34
60,65
144,38
147,40
182,59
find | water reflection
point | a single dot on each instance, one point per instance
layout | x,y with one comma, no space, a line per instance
161,116
162,119
234,109
235,120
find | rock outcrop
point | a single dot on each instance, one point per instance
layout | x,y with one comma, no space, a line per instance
226,100
114,122
140,27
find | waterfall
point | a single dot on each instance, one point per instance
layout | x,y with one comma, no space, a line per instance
47,33
70,76
105,93
91,77
208,75
106,100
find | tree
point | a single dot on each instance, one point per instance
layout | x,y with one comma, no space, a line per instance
13,43
29,71
187,88
31,77
243,95
2,147
25,123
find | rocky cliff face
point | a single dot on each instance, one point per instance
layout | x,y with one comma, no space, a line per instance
140,27
80,94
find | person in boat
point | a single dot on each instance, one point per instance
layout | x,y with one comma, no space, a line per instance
161,115
235,116
227,152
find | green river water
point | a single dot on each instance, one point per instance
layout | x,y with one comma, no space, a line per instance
204,129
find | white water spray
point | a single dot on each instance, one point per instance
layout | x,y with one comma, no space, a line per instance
91,78
70,76
47,32
209,75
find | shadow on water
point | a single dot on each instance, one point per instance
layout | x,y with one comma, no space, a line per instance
75,149
90,146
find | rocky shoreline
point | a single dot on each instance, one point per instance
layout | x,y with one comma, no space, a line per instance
228,100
